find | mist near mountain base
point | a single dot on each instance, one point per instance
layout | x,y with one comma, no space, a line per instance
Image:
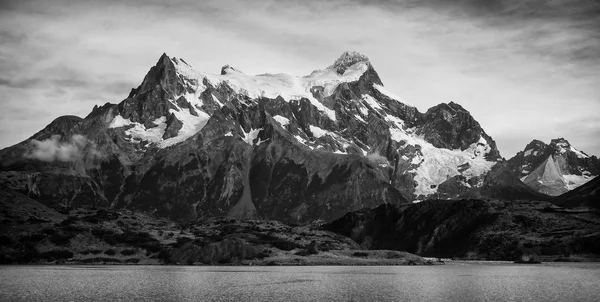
53,149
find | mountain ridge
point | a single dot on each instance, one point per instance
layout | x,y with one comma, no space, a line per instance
190,144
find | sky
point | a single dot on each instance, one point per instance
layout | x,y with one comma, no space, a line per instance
525,69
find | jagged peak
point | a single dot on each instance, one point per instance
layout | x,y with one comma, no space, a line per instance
560,142
347,59
452,106
228,69
164,60
562,145
535,144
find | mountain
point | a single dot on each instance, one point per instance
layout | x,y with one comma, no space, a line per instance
555,168
187,144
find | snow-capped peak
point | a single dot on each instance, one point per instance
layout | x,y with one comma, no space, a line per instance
561,145
347,59
228,69
183,68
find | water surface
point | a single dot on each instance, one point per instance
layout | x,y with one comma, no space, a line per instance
454,282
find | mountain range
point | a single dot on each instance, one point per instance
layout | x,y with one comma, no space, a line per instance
187,145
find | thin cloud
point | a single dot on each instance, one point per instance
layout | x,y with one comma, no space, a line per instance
517,66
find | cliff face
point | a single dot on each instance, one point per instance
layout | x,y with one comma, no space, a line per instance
186,144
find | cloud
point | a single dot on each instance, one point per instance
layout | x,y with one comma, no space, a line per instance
53,149
377,158
517,66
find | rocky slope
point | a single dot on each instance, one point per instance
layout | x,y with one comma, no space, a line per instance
586,196
476,229
554,168
33,233
187,145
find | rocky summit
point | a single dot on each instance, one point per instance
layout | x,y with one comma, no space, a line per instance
187,144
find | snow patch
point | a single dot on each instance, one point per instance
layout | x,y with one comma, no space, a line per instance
359,118
371,101
578,153
303,141
282,120
260,141
318,132
389,94
154,135
217,101
574,181
250,136
193,99
300,139
228,134
398,123
464,183
191,125
363,110
119,121
436,165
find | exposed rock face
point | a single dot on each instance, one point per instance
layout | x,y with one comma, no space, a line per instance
173,126
450,126
473,229
555,168
186,144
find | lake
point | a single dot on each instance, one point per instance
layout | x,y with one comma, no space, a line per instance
452,282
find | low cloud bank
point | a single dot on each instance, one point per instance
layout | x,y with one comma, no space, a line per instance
53,149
